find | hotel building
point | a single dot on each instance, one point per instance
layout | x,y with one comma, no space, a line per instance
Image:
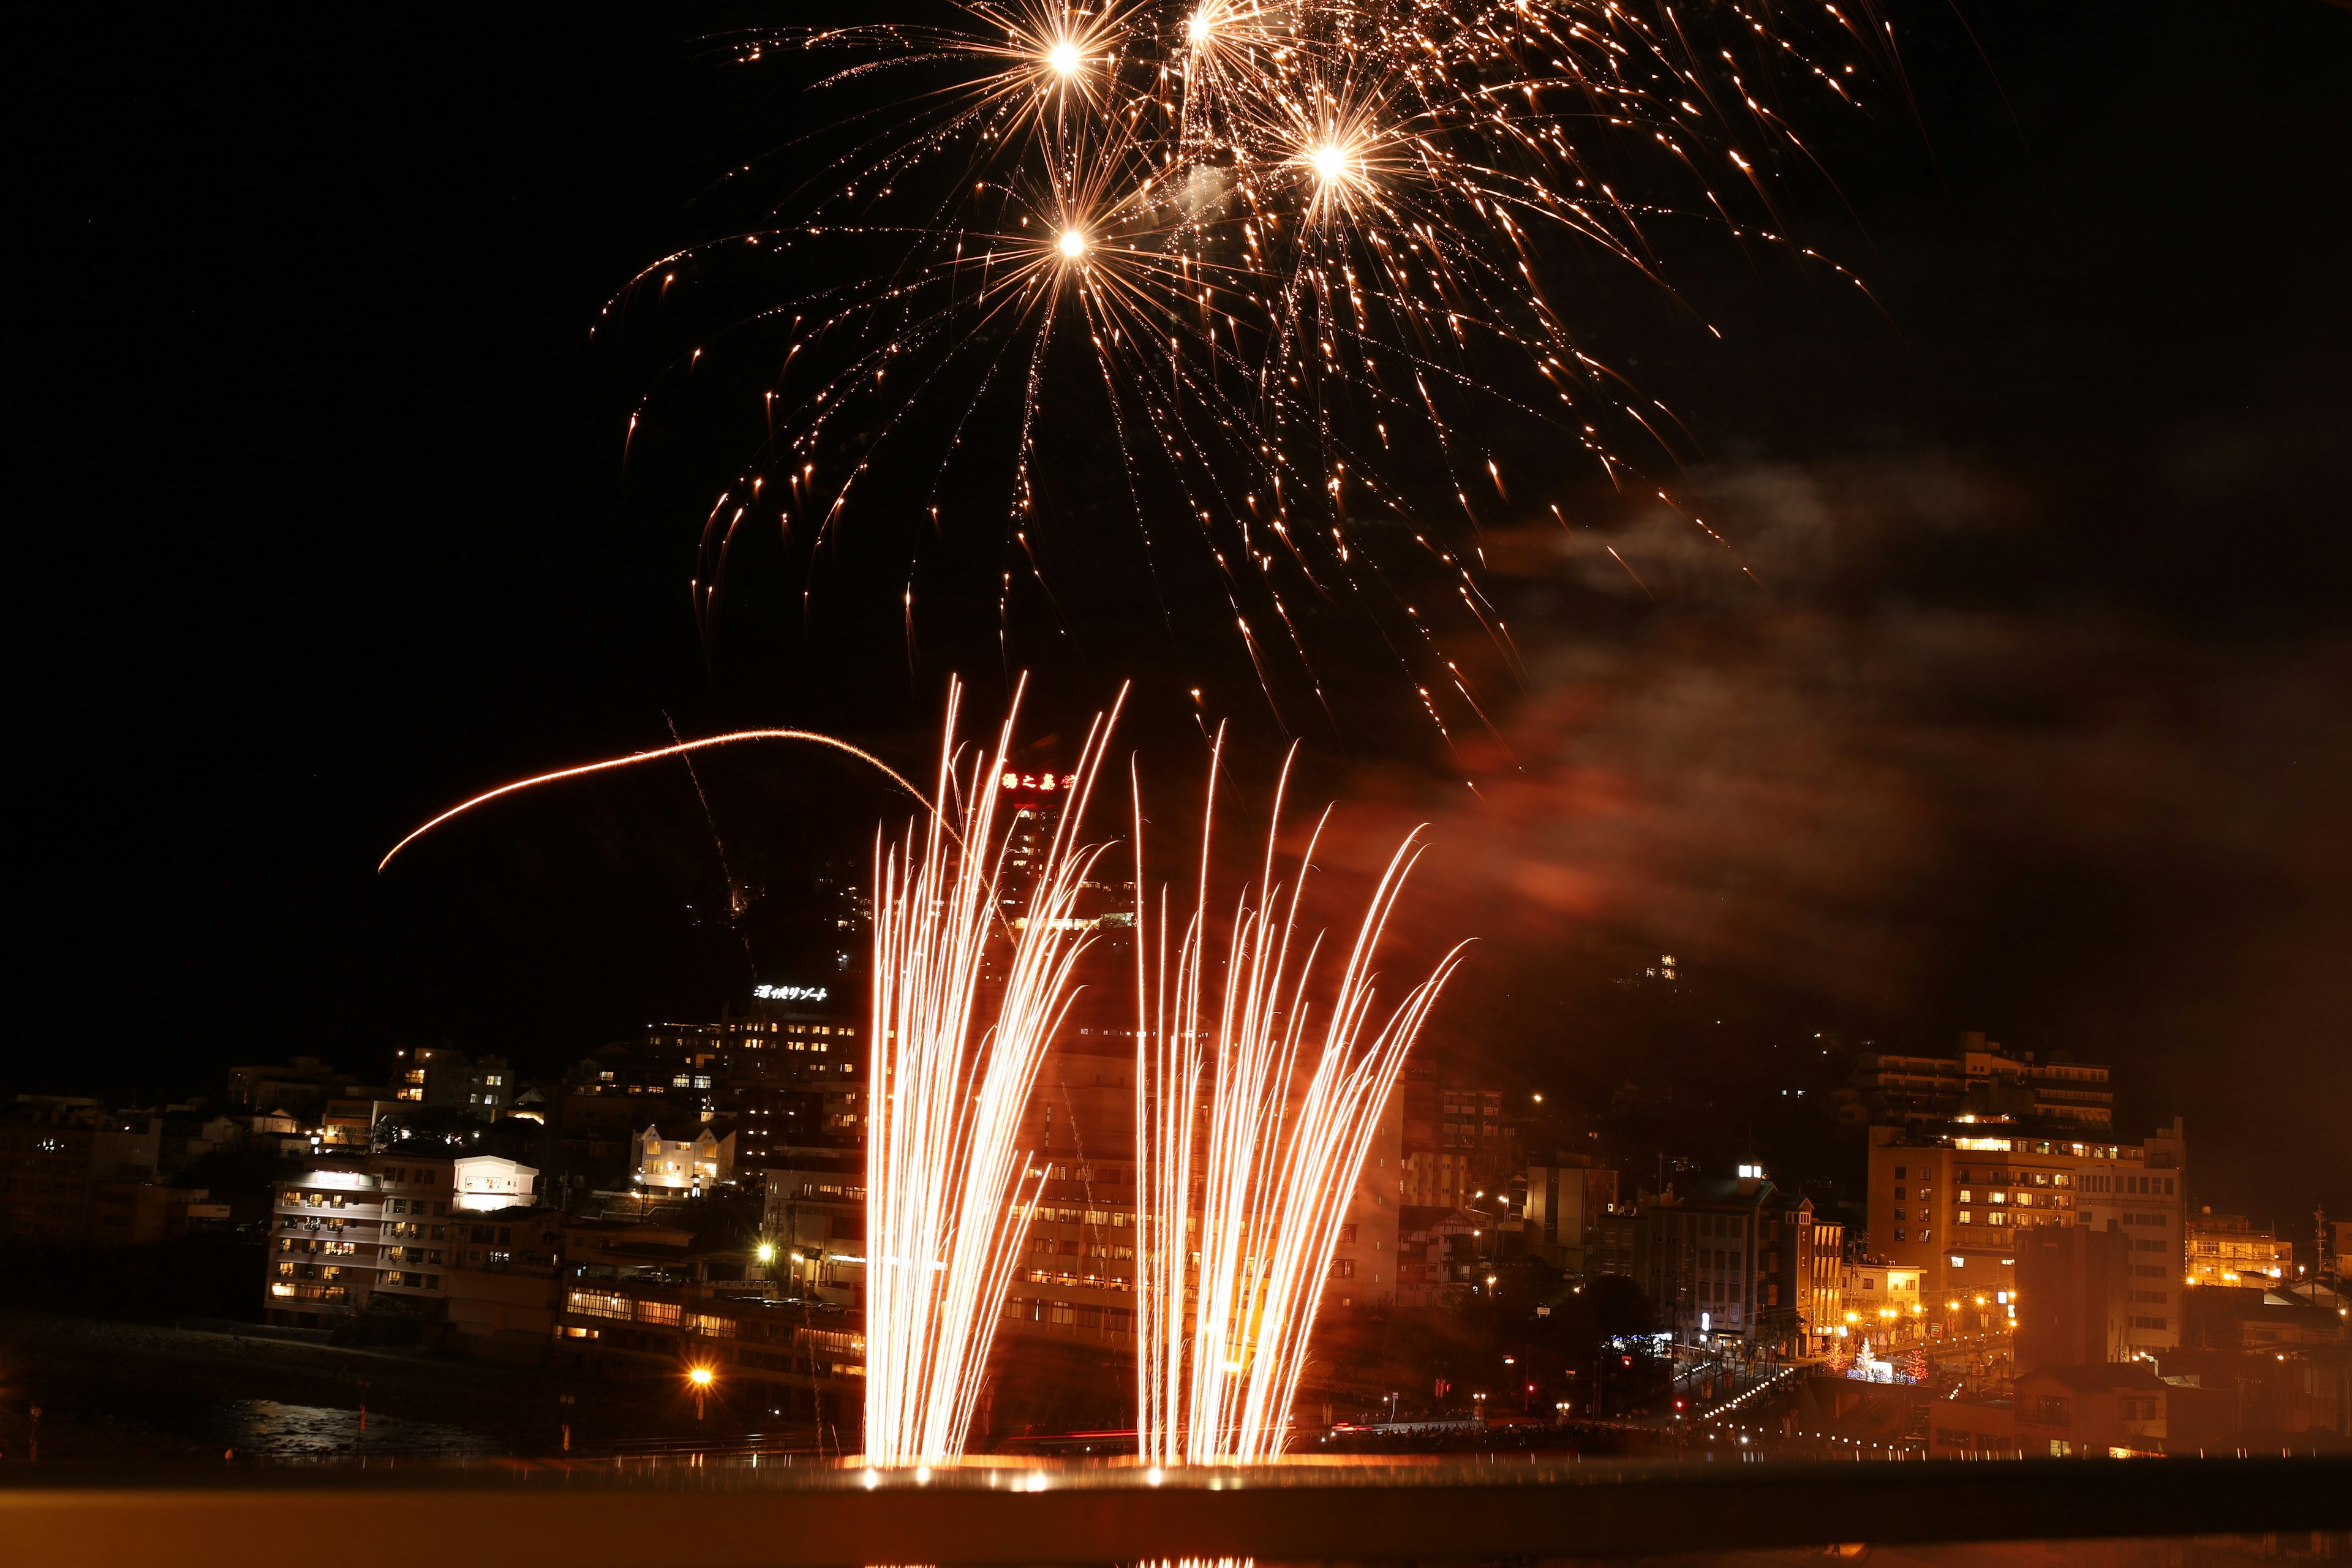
1950,1203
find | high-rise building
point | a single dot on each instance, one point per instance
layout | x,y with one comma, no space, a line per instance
1953,1203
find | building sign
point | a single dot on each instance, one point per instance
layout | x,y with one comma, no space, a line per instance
791,993
1046,782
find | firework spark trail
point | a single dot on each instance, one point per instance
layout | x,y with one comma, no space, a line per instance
949,1198
1215,1379
1301,241
633,758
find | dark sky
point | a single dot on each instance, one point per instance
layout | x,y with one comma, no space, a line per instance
2032,720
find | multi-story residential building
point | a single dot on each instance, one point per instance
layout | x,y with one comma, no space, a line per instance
1951,1202
1983,1083
1459,1149
73,1173
437,1075
380,1234
1881,1302
815,1220
1727,1259
501,1276
1565,1196
1825,1286
2226,1250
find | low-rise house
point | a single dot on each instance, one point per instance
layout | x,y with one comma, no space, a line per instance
2114,1409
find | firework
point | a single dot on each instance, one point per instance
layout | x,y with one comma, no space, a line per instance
949,1198
1225,1312
682,749
1305,256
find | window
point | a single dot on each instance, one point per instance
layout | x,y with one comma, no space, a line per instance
1343,1269
2156,1323
2050,1410
1347,1232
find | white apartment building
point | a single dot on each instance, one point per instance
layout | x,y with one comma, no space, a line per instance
377,1233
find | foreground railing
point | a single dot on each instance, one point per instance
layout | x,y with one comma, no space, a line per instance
591,1515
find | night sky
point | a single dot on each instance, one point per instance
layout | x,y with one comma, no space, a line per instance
2032,718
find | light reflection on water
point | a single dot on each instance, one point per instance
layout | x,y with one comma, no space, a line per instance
265,1427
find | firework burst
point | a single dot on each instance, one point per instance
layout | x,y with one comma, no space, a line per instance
1238,1220
1303,259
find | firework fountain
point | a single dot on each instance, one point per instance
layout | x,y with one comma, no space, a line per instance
1225,1312
948,1194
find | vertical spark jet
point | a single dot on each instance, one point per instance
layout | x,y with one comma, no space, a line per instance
1224,1311
948,1199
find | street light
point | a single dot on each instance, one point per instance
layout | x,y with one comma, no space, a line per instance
699,1379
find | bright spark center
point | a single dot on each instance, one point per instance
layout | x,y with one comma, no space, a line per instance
1329,161
1198,28
1074,244
1064,58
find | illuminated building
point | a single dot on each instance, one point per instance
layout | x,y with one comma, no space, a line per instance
1952,1203
1824,1282
1727,1259
791,1069
436,1075
684,1154
645,1303
815,1216
1983,1083
380,1234
1458,1148
2224,1249
1883,1302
